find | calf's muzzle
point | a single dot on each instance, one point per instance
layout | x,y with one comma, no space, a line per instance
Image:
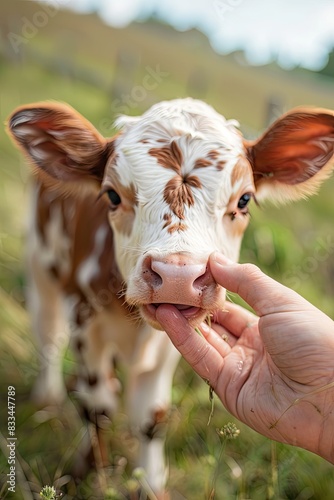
179,278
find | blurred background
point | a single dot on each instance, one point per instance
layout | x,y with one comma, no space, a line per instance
252,60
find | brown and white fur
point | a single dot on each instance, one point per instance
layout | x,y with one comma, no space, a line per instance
120,225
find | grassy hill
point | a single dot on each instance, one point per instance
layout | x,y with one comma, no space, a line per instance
83,45
98,70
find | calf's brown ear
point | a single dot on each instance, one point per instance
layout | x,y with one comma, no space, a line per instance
59,141
292,157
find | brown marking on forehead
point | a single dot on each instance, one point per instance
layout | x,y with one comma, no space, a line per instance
179,226
210,160
202,162
220,165
213,154
241,170
178,193
168,220
168,156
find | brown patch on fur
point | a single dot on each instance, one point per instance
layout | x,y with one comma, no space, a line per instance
157,427
168,156
124,222
168,220
178,193
83,311
202,162
179,226
220,165
240,170
124,219
213,154
129,193
47,130
81,219
237,224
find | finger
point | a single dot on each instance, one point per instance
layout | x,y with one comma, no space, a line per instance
262,293
218,337
199,353
235,319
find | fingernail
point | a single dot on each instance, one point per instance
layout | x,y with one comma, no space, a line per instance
221,259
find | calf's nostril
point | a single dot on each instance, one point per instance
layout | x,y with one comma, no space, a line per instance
149,275
155,279
202,281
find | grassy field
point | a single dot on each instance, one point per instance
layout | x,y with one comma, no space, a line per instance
285,242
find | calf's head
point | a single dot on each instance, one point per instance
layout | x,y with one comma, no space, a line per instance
178,181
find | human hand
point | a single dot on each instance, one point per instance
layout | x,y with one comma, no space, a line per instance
273,372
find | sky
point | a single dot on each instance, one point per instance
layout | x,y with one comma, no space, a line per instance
292,32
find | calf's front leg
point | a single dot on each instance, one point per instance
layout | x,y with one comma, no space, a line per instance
148,399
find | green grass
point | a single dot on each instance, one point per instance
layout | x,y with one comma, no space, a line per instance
285,242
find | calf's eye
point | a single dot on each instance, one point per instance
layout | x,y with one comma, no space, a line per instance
113,197
244,200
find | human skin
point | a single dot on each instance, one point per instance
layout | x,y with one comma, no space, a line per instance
273,371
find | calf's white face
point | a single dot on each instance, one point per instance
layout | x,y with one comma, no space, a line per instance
179,180
179,185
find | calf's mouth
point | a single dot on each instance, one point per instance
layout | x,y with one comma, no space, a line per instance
194,314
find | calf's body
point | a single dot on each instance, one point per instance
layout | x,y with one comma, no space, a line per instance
122,225
75,291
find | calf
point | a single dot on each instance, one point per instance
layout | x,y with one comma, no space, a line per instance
122,225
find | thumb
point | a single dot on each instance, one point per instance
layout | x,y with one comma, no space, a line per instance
262,293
